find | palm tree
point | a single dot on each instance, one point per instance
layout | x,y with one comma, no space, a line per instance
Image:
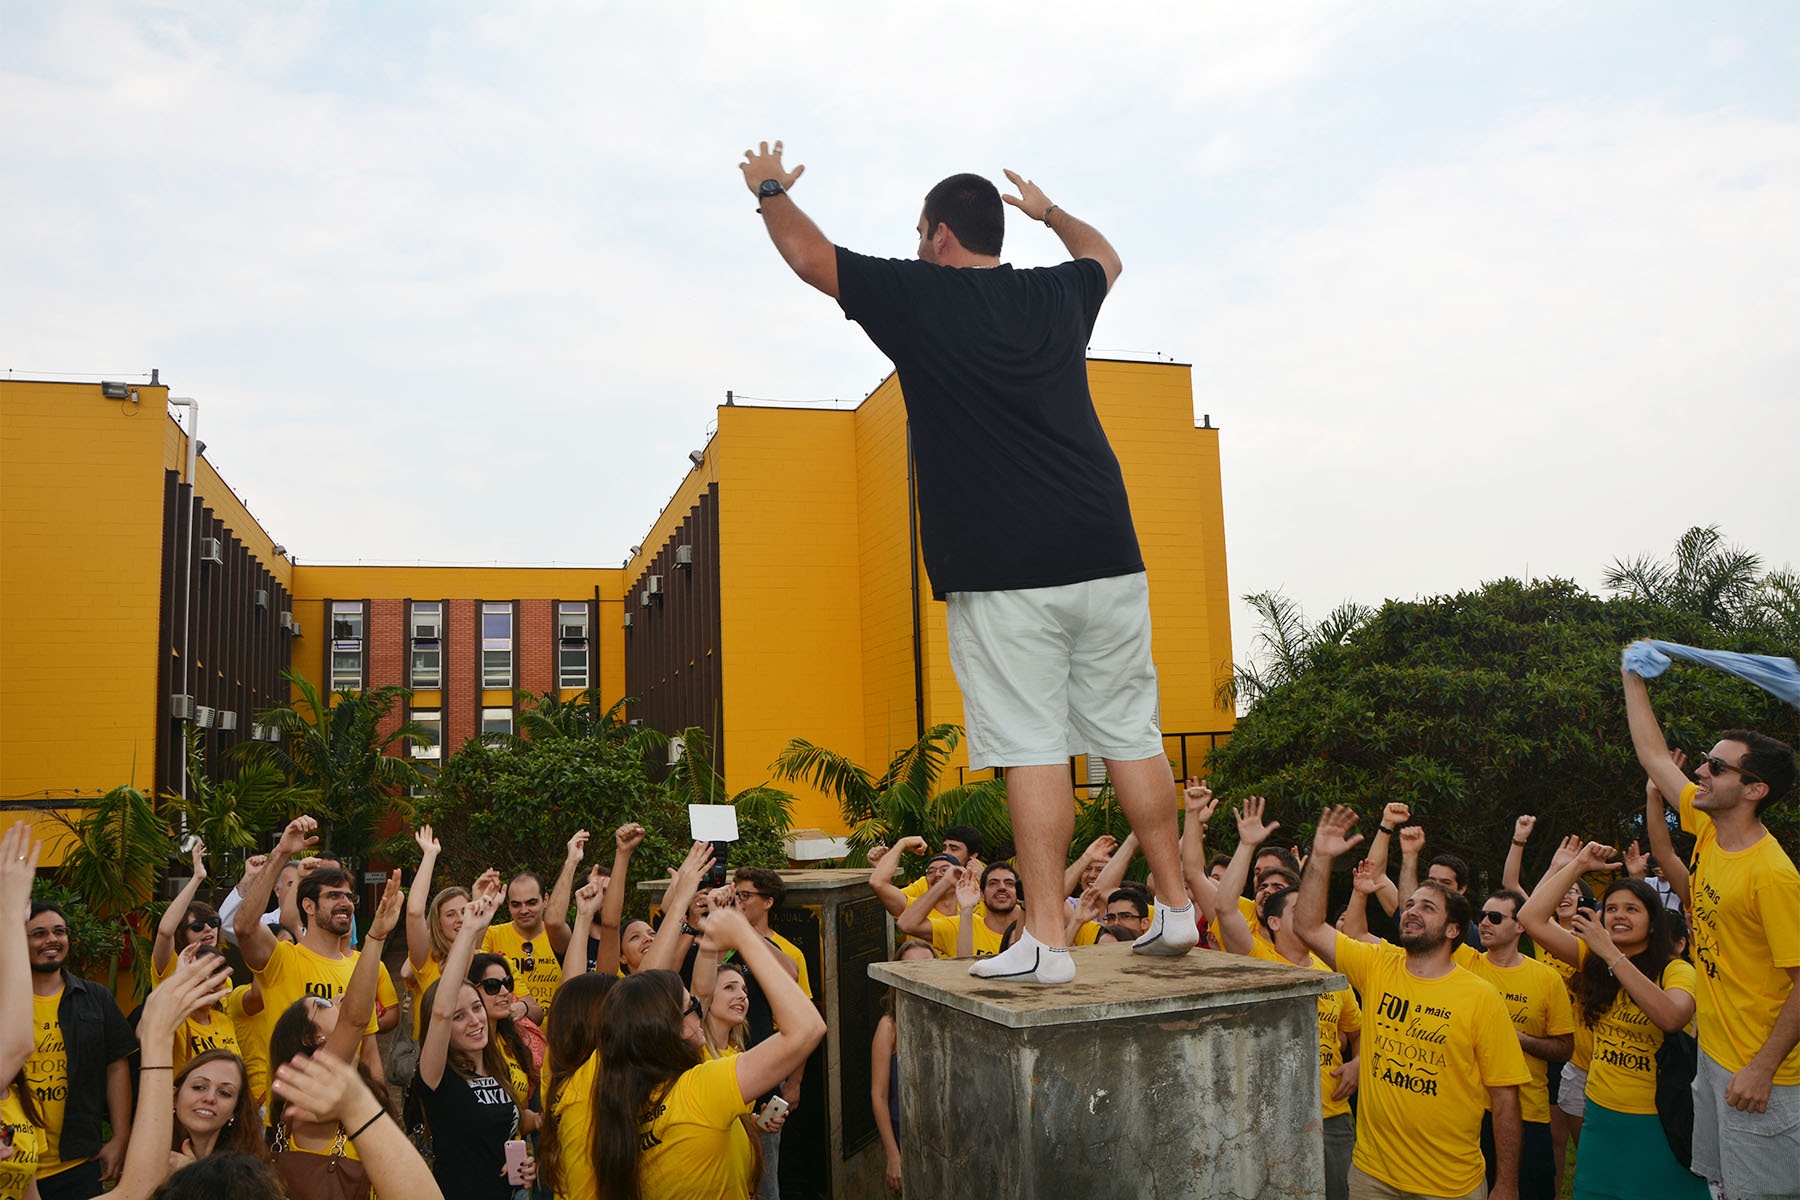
230,814
335,748
1285,646
903,800
113,855
548,715
1719,583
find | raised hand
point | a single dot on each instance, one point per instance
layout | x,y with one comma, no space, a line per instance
198,851
1092,905
193,985
1412,839
1199,800
1252,831
577,846
1366,879
764,163
1597,856
1522,828
913,845
629,837
323,1088
727,929
389,908
1637,862
1566,851
1333,836
297,836
18,869
694,867
1031,199
591,894
428,843
1395,814
479,911
1590,927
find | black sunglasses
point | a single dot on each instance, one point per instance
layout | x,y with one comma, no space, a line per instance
494,987
1716,765
693,1008
202,924
1492,917
529,962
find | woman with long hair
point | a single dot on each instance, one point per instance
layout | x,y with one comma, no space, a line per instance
666,1118
430,928
317,1158
884,1067
471,1102
572,1065
1630,990
215,1112
491,975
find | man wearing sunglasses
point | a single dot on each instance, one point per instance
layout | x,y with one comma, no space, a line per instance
526,943
1538,1003
1745,914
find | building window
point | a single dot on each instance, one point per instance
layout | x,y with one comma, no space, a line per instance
427,628
572,645
497,648
346,645
430,723
420,791
496,720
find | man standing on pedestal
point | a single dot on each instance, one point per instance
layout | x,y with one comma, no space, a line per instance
1025,522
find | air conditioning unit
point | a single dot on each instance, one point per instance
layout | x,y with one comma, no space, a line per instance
212,551
264,733
635,723
225,719
181,707
431,752
262,597
652,585
628,620
285,620
574,633
677,750
684,556
644,597
294,628
426,631
203,716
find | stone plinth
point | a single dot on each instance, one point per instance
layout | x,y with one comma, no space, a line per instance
1193,1077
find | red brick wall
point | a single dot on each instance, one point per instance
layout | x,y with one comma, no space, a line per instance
462,674
385,645
535,643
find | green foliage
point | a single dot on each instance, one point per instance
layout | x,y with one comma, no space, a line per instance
113,855
231,814
1284,646
95,941
1477,707
514,804
337,748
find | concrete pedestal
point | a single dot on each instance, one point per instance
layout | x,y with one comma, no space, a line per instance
1192,1077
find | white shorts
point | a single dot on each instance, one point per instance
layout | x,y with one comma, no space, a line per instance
1753,1154
1572,1097
1047,673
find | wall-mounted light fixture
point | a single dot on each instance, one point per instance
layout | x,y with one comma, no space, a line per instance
697,457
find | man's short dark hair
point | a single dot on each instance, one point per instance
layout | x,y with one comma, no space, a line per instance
1275,903
768,882
1514,898
1457,909
1018,883
1291,878
970,206
40,907
1285,854
968,835
1131,896
1769,760
1457,866
1217,860
522,876
315,884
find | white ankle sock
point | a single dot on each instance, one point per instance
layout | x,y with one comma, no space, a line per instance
1172,932
1027,960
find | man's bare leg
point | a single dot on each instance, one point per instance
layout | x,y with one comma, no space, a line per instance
1146,792
1042,803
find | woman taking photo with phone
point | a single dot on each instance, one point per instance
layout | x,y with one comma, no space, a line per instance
1630,990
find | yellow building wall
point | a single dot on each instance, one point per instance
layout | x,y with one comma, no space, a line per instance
791,614
81,510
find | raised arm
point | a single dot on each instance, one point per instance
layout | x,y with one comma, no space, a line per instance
1113,873
357,1004
1097,849
1662,846
434,1051
626,838
1078,237
1332,839
174,916
1091,907
1647,736
1515,853
1200,803
799,1027
968,895
587,903
418,934
18,868
807,251
256,940
1539,914
1365,881
556,916
321,1089
1668,1010
669,945
1412,847
881,875
1394,815
916,920
1252,832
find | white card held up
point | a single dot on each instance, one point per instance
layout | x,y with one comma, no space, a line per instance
713,822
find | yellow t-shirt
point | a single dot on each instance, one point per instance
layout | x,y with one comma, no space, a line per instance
17,1172
792,951
385,995
1338,1017
916,888
417,981
1746,926
253,1041
194,1038
536,973
294,971
1431,1050
1247,907
574,1112
1622,1075
943,936
47,1075
1537,1000
693,1145
517,1077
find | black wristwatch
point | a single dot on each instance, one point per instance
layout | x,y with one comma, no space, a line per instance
769,187
689,930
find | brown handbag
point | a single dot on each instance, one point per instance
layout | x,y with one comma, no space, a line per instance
312,1176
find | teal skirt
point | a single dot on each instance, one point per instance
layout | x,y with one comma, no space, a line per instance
1626,1156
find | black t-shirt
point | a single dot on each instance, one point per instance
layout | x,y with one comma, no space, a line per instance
1018,486
471,1121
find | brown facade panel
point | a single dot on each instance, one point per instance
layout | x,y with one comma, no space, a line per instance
672,648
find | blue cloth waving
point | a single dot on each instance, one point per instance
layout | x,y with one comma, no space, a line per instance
1778,676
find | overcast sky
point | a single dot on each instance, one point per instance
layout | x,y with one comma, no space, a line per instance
1472,290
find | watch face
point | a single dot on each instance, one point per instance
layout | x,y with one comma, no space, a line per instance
769,187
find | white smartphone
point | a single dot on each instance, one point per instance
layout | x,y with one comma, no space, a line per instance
776,1107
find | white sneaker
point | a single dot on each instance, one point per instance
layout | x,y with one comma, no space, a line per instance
1172,933
1027,961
